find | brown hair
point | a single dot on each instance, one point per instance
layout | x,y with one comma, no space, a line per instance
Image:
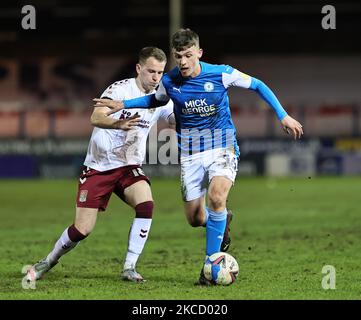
184,39
154,52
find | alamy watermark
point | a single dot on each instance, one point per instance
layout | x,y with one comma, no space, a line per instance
329,280
168,147
329,20
29,20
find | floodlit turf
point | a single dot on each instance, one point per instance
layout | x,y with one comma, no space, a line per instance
284,232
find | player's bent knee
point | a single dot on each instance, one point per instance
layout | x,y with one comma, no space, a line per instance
217,200
144,210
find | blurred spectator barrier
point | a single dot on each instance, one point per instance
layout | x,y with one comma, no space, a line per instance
63,158
251,122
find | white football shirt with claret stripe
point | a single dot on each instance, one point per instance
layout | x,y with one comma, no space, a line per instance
113,148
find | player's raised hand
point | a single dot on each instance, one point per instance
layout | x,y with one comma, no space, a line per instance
128,123
292,126
114,105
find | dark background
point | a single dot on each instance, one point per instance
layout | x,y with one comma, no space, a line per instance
109,27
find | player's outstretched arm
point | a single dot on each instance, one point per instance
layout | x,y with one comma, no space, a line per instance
112,106
101,119
146,102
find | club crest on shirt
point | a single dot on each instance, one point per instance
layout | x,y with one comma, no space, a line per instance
82,196
208,86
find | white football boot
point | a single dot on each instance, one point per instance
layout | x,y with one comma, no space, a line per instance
132,275
38,270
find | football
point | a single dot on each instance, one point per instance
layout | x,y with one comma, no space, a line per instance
221,268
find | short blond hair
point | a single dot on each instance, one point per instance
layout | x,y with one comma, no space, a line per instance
154,52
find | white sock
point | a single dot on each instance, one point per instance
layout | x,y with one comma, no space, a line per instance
138,235
62,246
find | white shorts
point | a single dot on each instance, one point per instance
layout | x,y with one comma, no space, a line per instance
195,169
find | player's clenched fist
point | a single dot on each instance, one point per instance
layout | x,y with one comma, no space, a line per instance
115,106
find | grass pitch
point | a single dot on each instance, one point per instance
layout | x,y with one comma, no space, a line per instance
284,232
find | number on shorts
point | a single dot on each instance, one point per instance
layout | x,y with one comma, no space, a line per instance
138,172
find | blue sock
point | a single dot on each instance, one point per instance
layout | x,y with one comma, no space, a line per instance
215,227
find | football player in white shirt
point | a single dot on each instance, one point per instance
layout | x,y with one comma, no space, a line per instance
113,165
